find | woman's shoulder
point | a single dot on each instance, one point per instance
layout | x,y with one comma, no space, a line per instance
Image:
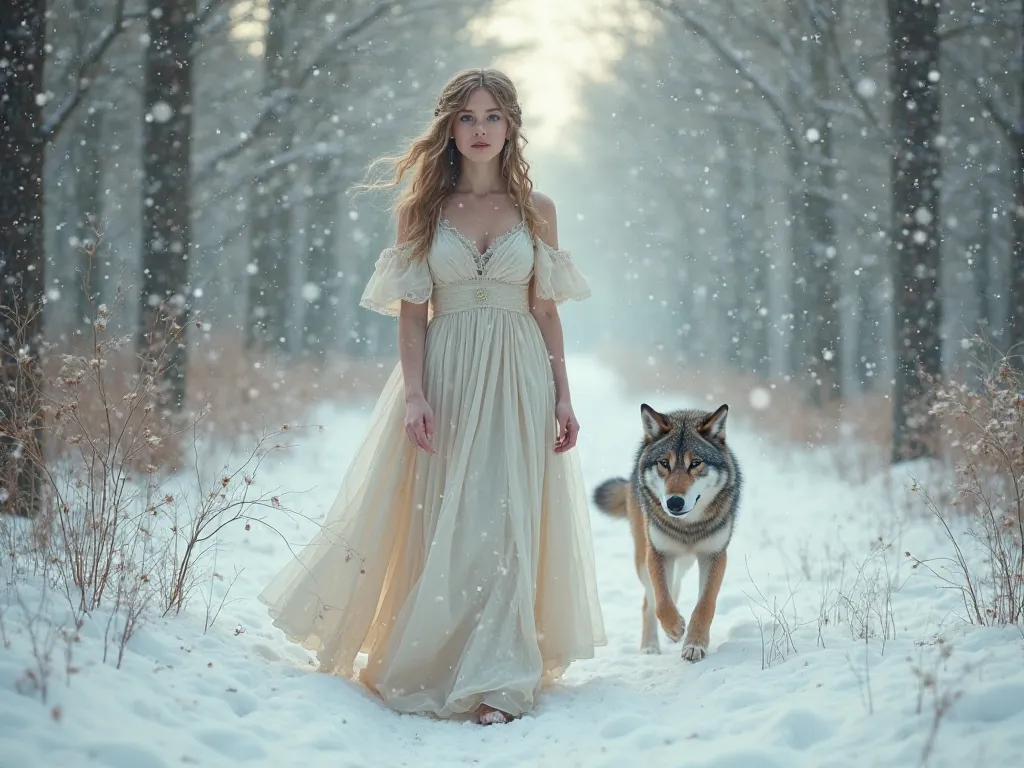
547,227
544,204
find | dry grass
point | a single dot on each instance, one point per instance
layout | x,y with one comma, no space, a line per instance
788,415
238,393
244,390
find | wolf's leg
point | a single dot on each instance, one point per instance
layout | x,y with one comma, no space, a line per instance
649,639
649,634
665,609
712,571
680,568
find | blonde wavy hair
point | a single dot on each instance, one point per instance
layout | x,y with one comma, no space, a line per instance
434,163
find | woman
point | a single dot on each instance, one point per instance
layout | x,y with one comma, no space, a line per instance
458,554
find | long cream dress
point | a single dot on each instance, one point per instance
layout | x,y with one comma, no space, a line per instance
467,576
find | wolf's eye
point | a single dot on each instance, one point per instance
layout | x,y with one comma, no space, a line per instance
664,463
695,463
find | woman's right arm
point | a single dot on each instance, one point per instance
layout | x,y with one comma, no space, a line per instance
412,337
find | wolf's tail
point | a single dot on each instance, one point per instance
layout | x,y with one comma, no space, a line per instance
610,496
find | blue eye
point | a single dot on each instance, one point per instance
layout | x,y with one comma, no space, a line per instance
495,116
464,118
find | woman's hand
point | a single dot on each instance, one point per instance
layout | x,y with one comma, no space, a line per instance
419,423
568,427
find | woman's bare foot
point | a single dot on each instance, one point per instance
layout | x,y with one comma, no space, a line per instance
486,715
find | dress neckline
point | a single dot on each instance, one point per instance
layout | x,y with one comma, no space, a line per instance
471,245
480,260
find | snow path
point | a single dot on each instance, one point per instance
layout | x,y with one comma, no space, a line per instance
251,698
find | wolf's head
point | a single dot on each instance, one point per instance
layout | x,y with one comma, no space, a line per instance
683,462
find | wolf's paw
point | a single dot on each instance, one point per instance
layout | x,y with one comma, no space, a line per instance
673,625
694,652
650,649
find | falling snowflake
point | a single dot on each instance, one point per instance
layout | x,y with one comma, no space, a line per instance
160,112
310,292
760,398
866,87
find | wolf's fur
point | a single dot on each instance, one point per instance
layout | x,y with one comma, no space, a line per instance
681,502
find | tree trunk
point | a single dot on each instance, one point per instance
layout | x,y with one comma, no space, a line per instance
22,47
983,255
87,170
167,141
868,343
916,169
321,291
738,266
824,357
799,246
757,334
269,282
1015,310
801,298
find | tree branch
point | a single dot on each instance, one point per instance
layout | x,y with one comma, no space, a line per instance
320,60
208,11
959,30
774,100
844,70
1013,131
93,54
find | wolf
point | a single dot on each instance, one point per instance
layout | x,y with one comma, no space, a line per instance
681,501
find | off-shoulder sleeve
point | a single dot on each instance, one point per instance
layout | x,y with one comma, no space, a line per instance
397,277
556,276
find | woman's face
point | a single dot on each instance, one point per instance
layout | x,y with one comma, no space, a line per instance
480,128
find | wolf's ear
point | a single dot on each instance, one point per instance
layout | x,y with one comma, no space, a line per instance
655,424
714,427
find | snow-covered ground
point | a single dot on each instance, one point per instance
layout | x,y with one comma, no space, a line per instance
803,690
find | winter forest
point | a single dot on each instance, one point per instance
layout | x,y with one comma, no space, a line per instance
810,209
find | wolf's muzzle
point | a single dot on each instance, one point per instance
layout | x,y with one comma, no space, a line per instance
677,504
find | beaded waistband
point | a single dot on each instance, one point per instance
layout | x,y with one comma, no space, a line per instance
474,294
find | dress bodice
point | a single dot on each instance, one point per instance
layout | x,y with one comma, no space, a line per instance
514,258
454,258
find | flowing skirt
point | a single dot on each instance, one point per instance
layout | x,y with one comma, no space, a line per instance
467,577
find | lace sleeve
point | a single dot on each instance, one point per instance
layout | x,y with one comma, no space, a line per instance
396,278
556,276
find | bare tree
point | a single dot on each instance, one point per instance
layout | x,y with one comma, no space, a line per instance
22,47
166,208
806,132
269,213
916,169
1014,130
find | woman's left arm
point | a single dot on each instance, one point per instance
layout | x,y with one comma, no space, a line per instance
545,311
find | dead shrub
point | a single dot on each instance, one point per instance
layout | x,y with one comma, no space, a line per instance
118,526
986,422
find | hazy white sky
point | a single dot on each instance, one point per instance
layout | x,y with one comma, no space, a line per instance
568,42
